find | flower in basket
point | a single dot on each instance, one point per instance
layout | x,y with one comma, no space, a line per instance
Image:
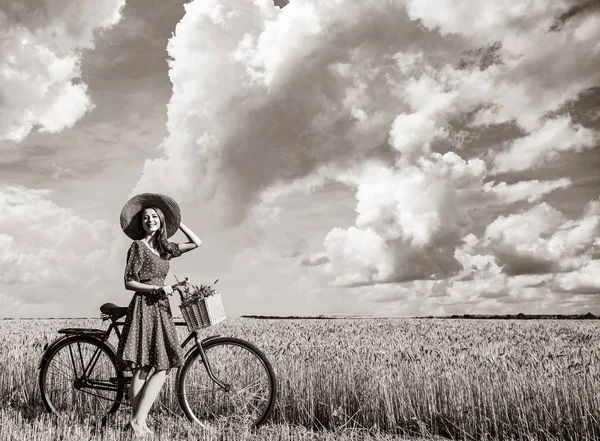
203,291
191,293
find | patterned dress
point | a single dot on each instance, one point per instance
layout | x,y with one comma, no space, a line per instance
149,336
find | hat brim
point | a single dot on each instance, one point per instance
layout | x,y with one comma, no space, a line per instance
131,214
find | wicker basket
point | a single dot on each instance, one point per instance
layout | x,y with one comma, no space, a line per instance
202,313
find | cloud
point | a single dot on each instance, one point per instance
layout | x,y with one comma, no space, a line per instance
544,145
400,237
40,53
525,85
524,262
285,79
358,256
47,252
542,240
272,95
431,103
529,191
382,97
314,260
62,172
585,280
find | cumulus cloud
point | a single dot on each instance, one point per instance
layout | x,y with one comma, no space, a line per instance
585,280
513,269
276,84
45,247
525,262
275,102
372,95
41,46
526,86
411,219
542,240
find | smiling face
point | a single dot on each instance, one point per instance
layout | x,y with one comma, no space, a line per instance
150,221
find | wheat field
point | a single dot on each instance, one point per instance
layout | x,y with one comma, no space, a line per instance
362,379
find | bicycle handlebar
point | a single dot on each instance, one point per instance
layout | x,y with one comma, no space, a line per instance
177,285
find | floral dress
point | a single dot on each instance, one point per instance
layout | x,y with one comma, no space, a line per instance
149,336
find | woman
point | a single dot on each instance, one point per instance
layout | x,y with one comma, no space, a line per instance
149,344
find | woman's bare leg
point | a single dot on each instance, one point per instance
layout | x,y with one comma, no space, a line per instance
137,385
148,396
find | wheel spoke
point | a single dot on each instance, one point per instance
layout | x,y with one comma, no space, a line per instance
68,368
66,391
251,390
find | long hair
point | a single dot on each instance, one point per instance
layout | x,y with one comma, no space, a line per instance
159,239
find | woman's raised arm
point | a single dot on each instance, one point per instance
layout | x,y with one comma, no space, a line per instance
194,241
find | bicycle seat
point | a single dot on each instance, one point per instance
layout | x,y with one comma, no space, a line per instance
115,312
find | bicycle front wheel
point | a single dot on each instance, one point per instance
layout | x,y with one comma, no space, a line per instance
79,377
247,391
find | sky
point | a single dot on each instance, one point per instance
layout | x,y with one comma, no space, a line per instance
386,158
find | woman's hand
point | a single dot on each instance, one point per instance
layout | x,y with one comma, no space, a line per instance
167,289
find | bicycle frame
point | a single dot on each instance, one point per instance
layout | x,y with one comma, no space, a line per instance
83,380
113,384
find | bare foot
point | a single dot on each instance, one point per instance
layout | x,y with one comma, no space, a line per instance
147,429
137,427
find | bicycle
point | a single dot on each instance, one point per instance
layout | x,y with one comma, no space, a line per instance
223,380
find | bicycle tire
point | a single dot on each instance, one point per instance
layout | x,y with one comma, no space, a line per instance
216,405
58,378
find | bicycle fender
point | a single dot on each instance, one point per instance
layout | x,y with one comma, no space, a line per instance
48,349
212,337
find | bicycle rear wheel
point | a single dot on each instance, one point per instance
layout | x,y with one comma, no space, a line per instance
247,374
78,377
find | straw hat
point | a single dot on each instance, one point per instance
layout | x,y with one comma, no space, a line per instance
131,214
